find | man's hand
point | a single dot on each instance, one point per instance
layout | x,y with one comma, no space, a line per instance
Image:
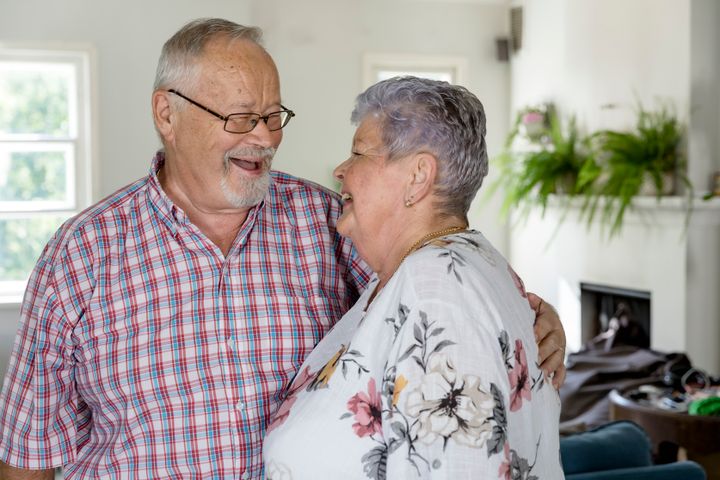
550,336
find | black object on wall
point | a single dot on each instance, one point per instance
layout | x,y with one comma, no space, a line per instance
502,49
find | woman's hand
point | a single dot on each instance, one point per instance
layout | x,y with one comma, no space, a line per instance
550,336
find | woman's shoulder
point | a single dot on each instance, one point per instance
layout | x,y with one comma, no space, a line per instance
464,272
460,259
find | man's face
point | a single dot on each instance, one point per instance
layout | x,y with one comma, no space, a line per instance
216,169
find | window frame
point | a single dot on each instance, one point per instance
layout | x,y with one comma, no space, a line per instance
373,63
82,138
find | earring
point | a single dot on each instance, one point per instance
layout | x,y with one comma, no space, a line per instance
408,202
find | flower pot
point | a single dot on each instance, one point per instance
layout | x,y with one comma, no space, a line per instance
648,187
565,185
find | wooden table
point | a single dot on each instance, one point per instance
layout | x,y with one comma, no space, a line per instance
698,436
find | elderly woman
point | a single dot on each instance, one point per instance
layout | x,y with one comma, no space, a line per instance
431,373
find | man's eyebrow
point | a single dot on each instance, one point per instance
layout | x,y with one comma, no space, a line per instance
249,107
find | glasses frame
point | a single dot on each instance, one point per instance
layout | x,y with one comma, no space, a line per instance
225,118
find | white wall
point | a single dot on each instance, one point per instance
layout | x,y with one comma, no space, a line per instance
584,54
318,46
704,90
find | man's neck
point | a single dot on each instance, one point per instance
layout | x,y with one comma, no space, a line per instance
219,225
220,228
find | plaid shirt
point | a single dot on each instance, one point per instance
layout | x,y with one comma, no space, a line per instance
144,352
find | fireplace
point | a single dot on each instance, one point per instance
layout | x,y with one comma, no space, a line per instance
611,316
658,251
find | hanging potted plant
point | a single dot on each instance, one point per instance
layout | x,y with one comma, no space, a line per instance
540,161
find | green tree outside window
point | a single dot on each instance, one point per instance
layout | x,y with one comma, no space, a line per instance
36,138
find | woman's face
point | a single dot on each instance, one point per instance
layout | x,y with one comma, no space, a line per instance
373,191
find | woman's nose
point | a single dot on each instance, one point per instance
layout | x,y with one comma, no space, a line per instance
339,171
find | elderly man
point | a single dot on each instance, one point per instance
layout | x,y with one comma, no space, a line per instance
162,326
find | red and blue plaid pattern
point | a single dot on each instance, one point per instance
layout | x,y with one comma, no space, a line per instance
143,352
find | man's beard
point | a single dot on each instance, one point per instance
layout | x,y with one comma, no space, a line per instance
247,192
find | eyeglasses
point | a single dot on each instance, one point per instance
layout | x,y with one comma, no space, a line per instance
245,122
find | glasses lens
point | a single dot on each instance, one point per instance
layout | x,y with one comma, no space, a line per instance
277,120
245,122
241,122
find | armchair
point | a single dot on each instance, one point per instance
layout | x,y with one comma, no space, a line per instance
619,451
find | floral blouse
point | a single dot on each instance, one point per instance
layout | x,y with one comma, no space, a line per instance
435,378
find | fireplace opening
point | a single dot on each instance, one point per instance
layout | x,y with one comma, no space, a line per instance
613,316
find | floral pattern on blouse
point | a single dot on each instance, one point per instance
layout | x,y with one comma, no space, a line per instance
366,409
432,378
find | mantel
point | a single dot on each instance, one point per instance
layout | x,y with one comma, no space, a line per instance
708,211
675,202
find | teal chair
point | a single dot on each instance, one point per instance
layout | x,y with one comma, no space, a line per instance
619,451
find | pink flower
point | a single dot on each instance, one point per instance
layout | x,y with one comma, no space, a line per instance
533,117
519,379
367,409
302,379
518,282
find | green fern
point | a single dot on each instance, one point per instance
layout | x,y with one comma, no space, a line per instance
651,151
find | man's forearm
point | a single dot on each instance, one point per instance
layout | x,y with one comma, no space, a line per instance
11,473
550,336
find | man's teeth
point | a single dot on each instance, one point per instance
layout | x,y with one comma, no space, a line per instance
346,197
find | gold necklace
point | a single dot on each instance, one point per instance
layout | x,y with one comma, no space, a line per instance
431,236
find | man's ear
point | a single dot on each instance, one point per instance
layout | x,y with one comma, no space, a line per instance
162,115
423,173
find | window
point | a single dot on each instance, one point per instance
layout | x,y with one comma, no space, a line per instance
45,150
378,67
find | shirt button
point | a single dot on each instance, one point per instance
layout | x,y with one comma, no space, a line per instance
240,406
245,475
230,343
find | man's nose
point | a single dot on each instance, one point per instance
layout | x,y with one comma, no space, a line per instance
262,135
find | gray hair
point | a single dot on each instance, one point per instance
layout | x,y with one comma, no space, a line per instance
418,114
178,67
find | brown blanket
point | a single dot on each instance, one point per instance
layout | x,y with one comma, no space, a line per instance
592,373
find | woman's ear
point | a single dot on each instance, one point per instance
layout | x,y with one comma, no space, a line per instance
162,115
424,172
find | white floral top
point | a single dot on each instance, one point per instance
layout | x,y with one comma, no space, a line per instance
435,378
